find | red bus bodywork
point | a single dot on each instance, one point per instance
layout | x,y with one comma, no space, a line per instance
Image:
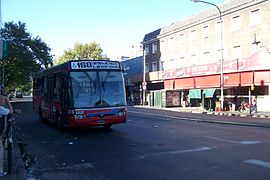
54,96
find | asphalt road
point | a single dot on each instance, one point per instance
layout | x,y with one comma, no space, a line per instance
153,144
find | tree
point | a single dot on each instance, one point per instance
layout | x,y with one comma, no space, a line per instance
91,51
26,55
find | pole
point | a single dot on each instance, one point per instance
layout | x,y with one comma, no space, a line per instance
249,100
221,53
143,84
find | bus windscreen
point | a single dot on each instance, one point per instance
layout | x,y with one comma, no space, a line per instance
97,89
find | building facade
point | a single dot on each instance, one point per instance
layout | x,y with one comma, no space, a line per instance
133,75
186,56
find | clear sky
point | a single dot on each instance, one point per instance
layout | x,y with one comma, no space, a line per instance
115,24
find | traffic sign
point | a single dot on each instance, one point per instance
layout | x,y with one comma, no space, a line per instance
144,83
3,49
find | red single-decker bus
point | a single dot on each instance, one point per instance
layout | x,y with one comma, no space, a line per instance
81,93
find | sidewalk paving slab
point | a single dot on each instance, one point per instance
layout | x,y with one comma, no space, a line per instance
18,171
259,119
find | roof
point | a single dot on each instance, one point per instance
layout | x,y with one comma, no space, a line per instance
225,7
151,35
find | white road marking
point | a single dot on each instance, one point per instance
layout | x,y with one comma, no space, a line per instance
249,142
220,139
175,152
232,141
258,163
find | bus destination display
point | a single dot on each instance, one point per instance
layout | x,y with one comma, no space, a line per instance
95,65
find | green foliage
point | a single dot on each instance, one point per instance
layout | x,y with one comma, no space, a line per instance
26,55
91,51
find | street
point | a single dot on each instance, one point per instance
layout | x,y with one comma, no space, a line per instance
153,144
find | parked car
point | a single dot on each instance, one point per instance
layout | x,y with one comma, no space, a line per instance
19,94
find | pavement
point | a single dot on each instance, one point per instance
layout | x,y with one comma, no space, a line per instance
224,113
258,119
200,110
18,171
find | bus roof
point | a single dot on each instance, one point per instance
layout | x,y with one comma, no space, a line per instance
81,65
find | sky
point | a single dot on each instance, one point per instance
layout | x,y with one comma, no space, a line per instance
115,24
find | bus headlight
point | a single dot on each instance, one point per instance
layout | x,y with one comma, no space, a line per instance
79,116
122,112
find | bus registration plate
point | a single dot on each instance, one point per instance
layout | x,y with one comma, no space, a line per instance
100,122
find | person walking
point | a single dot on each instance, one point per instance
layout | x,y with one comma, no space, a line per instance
5,109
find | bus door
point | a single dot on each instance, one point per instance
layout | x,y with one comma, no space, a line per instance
50,96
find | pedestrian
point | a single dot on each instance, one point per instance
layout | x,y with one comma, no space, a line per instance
235,102
254,104
5,109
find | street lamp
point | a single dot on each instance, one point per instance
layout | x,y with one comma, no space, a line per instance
221,52
144,81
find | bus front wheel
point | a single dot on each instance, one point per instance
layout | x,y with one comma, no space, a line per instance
107,126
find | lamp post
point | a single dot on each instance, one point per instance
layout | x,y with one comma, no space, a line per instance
221,52
144,81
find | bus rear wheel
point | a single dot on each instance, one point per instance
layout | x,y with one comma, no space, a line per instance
40,117
59,123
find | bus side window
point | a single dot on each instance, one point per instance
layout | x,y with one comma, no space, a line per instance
37,85
65,80
57,88
44,87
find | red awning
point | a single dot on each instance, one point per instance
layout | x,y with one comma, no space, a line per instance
260,78
246,78
231,79
207,81
184,83
168,84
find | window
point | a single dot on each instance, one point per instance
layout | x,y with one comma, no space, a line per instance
161,67
172,64
37,85
104,91
205,32
192,37
255,44
128,81
218,55
235,23
182,39
146,50
206,58
237,52
154,48
57,86
45,84
255,17
193,51
146,67
171,48
194,59
154,66
182,54
218,28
